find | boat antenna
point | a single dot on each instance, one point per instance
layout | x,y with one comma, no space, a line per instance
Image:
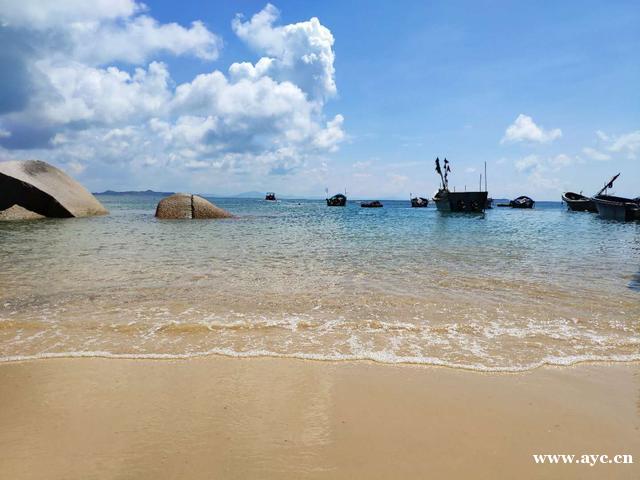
326,191
485,176
608,185
480,186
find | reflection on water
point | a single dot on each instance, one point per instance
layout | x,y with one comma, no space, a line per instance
509,289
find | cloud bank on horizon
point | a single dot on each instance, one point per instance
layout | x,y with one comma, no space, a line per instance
82,88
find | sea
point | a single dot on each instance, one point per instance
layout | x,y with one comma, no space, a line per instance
507,290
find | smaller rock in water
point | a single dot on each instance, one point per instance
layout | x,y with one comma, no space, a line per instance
186,205
18,213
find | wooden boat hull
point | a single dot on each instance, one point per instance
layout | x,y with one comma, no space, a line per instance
522,202
419,202
579,203
617,208
460,201
337,201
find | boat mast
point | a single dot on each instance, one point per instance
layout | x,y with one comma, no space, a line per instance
485,176
607,185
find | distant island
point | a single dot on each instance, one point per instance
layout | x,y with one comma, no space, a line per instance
252,194
133,192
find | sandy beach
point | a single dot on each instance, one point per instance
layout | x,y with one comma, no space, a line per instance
220,417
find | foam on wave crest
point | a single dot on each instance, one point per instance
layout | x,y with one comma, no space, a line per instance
378,357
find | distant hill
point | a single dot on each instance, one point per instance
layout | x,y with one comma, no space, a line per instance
249,195
133,192
262,194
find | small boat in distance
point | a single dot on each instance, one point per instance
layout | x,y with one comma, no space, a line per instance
576,202
373,204
338,200
448,201
270,196
419,202
522,202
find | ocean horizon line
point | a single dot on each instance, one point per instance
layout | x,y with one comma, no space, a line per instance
259,196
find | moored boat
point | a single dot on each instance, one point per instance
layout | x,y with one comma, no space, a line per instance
270,196
448,201
419,202
373,204
338,200
522,202
618,208
577,202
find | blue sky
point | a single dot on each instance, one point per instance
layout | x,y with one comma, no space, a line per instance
547,93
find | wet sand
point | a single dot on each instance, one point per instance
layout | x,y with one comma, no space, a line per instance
223,417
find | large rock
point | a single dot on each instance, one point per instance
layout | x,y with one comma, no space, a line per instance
185,205
45,190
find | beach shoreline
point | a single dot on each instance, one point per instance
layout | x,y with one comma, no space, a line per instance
221,417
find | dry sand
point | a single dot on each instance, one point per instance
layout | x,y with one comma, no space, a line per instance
279,418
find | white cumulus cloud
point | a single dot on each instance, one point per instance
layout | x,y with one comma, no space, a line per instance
138,38
543,172
538,163
524,129
41,14
595,154
81,110
627,144
300,52
103,31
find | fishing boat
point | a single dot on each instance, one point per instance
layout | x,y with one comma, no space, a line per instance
338,200
576,202
373,204
522,202
448,201
270,196
618,208
419,202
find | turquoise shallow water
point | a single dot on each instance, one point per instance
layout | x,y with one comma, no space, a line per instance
508,290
